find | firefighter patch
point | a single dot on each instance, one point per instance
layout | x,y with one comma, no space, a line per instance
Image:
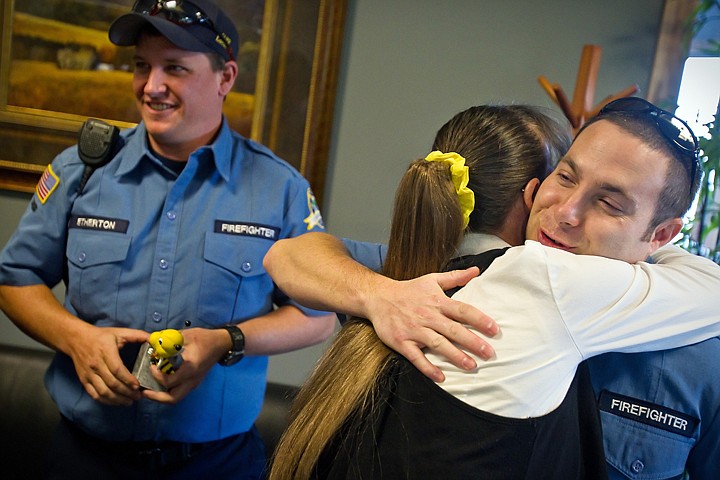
648,413
247,229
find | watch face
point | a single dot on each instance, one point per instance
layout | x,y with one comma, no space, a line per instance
231,358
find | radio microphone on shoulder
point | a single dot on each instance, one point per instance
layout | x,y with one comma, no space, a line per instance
98,144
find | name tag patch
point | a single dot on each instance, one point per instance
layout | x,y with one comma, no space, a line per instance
99,223
648,413
246,229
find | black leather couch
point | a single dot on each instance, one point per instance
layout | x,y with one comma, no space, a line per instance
28,415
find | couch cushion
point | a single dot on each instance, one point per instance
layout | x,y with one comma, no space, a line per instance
28,415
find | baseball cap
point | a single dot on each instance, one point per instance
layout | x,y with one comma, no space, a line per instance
196,26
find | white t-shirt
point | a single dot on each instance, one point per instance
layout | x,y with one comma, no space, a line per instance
556,309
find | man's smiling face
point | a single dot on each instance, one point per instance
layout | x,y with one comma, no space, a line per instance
601,197
179,95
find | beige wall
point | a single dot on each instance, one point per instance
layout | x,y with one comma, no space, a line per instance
409,65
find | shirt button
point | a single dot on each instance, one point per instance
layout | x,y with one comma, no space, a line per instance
164,264
246,267
637,466
82,257
156,316
171,215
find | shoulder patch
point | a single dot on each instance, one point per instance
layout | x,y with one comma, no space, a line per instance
314,219
47,184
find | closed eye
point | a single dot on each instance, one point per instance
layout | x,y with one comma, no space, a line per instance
611,206
564,178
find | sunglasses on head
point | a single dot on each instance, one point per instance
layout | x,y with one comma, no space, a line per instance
674,129
182,13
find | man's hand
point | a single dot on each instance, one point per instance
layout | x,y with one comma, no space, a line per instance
202,349
413,314
95,354
407,315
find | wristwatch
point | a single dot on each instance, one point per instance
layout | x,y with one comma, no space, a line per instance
237,352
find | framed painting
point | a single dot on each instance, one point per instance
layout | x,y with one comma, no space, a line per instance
57,68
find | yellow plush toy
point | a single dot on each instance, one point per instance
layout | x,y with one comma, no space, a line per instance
165,349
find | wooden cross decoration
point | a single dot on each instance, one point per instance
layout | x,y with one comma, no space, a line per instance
582,107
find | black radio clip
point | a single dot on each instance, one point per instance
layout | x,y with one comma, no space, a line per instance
99,142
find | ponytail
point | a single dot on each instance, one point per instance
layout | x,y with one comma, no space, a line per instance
343,389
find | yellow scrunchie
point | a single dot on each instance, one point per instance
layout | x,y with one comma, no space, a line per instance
460,177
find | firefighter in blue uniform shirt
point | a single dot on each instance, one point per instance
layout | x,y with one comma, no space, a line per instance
171,231
659,412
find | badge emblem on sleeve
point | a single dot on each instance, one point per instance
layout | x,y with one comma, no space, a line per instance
47,184
315,218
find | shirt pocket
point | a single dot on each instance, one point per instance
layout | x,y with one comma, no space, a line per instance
95,263
642,451
234,285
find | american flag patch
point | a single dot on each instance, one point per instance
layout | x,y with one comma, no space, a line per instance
48,182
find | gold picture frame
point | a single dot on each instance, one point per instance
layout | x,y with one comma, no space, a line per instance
294,68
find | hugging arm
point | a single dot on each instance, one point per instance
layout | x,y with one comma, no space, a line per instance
407,315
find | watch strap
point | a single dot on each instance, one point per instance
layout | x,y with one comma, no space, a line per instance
237,351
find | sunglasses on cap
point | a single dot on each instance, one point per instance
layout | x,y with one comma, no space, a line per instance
674,129
182,13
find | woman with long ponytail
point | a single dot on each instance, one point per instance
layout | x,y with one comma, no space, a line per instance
496,150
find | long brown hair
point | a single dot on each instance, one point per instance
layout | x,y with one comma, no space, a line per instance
504,147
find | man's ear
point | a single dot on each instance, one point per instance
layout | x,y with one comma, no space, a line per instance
529,192
665,232
227,77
